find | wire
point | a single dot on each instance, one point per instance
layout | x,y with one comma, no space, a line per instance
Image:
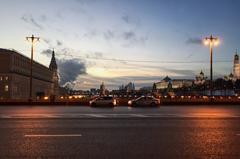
142,61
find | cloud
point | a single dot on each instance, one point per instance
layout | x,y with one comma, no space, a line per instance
132,38
86,1
126,18
47,41
183,72
90,34
98,55
70,69
59,43
196,41
43,18
30,20
53,43
109,34
130,20
129,35
47,52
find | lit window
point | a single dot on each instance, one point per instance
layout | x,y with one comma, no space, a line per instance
1,78
6,78
6,88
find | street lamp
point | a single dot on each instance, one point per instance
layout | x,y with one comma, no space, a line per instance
211,42
32,39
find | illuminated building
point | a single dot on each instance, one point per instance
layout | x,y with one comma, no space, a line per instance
236,66
173,83
200,79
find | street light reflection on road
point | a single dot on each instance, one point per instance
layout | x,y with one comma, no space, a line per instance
210,141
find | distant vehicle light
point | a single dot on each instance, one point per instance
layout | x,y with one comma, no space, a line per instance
205,97
90,102
129,102
114,102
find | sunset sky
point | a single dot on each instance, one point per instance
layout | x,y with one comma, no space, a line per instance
121,41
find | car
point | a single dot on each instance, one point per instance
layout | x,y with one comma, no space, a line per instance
144,101
103,101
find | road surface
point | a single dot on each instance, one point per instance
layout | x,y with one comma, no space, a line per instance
119,133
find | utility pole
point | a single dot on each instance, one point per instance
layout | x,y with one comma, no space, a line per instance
32,39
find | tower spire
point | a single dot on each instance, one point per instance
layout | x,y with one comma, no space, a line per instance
53,63
55,78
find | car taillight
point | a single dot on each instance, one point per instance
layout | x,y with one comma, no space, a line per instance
130,102
114,102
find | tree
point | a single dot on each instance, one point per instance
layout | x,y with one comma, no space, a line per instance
219,84
229,84
237,84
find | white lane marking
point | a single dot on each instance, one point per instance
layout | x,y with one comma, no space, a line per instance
5,116
96,115
53,135
139,115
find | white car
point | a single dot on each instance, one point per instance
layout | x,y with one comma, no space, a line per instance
103,101
144,101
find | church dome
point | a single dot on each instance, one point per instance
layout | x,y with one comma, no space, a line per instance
167,79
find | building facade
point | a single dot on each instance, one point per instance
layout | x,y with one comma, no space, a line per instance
167,83
15,77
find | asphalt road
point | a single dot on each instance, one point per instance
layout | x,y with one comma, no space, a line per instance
83,132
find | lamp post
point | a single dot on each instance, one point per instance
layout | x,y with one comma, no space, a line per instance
211,42
32,39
